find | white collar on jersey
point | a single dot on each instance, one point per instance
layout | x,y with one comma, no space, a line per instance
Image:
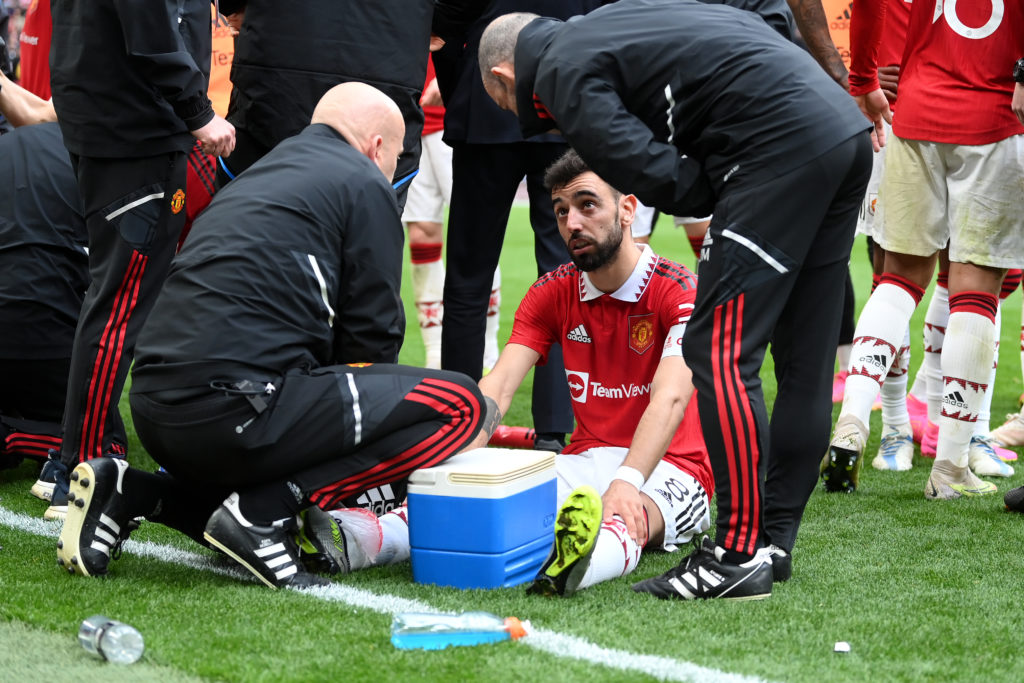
633,288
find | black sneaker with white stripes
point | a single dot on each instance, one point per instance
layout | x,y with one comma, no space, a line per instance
269,552
705,574
97,519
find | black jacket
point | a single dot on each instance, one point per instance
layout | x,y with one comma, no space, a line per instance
129,77
296,263
470,114
287,56
637,83
43,257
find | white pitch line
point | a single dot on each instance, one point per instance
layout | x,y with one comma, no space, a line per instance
551,642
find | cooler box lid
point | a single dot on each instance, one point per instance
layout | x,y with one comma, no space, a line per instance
485,473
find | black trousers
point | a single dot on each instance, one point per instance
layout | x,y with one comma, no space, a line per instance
134,212
774,273
484,182
335,433
31,407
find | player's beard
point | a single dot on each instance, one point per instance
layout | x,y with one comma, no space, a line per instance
603,252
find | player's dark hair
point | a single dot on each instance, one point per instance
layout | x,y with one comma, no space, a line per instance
567,168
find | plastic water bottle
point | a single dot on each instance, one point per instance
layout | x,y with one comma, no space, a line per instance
419,631
111,640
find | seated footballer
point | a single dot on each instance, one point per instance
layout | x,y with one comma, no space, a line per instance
619,311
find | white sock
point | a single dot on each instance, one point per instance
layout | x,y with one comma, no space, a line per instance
982,426
919,388
843,356
615,554
428,292
880,331
894,390
394,526
966,366
1022,350
935,321
493,320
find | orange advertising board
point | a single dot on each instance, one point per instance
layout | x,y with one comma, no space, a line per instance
220,65
837,12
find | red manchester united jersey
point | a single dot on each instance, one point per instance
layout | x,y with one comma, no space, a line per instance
612,344
956,78
35,49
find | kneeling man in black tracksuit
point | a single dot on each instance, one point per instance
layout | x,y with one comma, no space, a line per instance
264,380
779,153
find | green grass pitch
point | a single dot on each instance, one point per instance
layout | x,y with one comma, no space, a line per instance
922,591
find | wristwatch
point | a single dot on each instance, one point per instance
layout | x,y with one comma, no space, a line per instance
1018,71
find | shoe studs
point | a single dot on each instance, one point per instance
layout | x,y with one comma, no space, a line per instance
60,545
79,503
84,482
74,476
72,496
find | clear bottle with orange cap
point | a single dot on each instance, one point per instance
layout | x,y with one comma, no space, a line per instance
425,631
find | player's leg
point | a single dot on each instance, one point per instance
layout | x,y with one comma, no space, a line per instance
912,230
588,549
491,347
1011,432
423,218
936,319
983,244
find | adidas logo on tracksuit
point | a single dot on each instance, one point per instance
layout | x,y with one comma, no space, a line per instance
579,334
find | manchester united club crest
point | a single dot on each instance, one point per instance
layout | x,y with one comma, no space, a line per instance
641,332
178,201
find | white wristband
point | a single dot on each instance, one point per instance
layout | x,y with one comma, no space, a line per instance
630,475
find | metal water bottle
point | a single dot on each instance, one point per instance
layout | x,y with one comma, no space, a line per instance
111,640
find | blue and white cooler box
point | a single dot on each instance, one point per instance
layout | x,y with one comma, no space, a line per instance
482,519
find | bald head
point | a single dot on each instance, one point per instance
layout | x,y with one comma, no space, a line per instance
368,119
497,56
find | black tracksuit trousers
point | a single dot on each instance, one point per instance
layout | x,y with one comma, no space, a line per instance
134,212
774,272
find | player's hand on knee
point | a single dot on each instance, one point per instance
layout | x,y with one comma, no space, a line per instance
624,499
217,137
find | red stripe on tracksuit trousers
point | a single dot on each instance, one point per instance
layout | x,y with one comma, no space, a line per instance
447,399
31,445
108,358
739,432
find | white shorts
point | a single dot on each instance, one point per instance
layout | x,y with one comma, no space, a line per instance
431,189
643,222
683,502
868,208
970,195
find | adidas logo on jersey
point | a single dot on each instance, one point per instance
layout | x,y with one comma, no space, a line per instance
579,334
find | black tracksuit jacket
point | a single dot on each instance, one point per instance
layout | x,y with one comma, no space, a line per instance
637,83
129,77
296,263
288,55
